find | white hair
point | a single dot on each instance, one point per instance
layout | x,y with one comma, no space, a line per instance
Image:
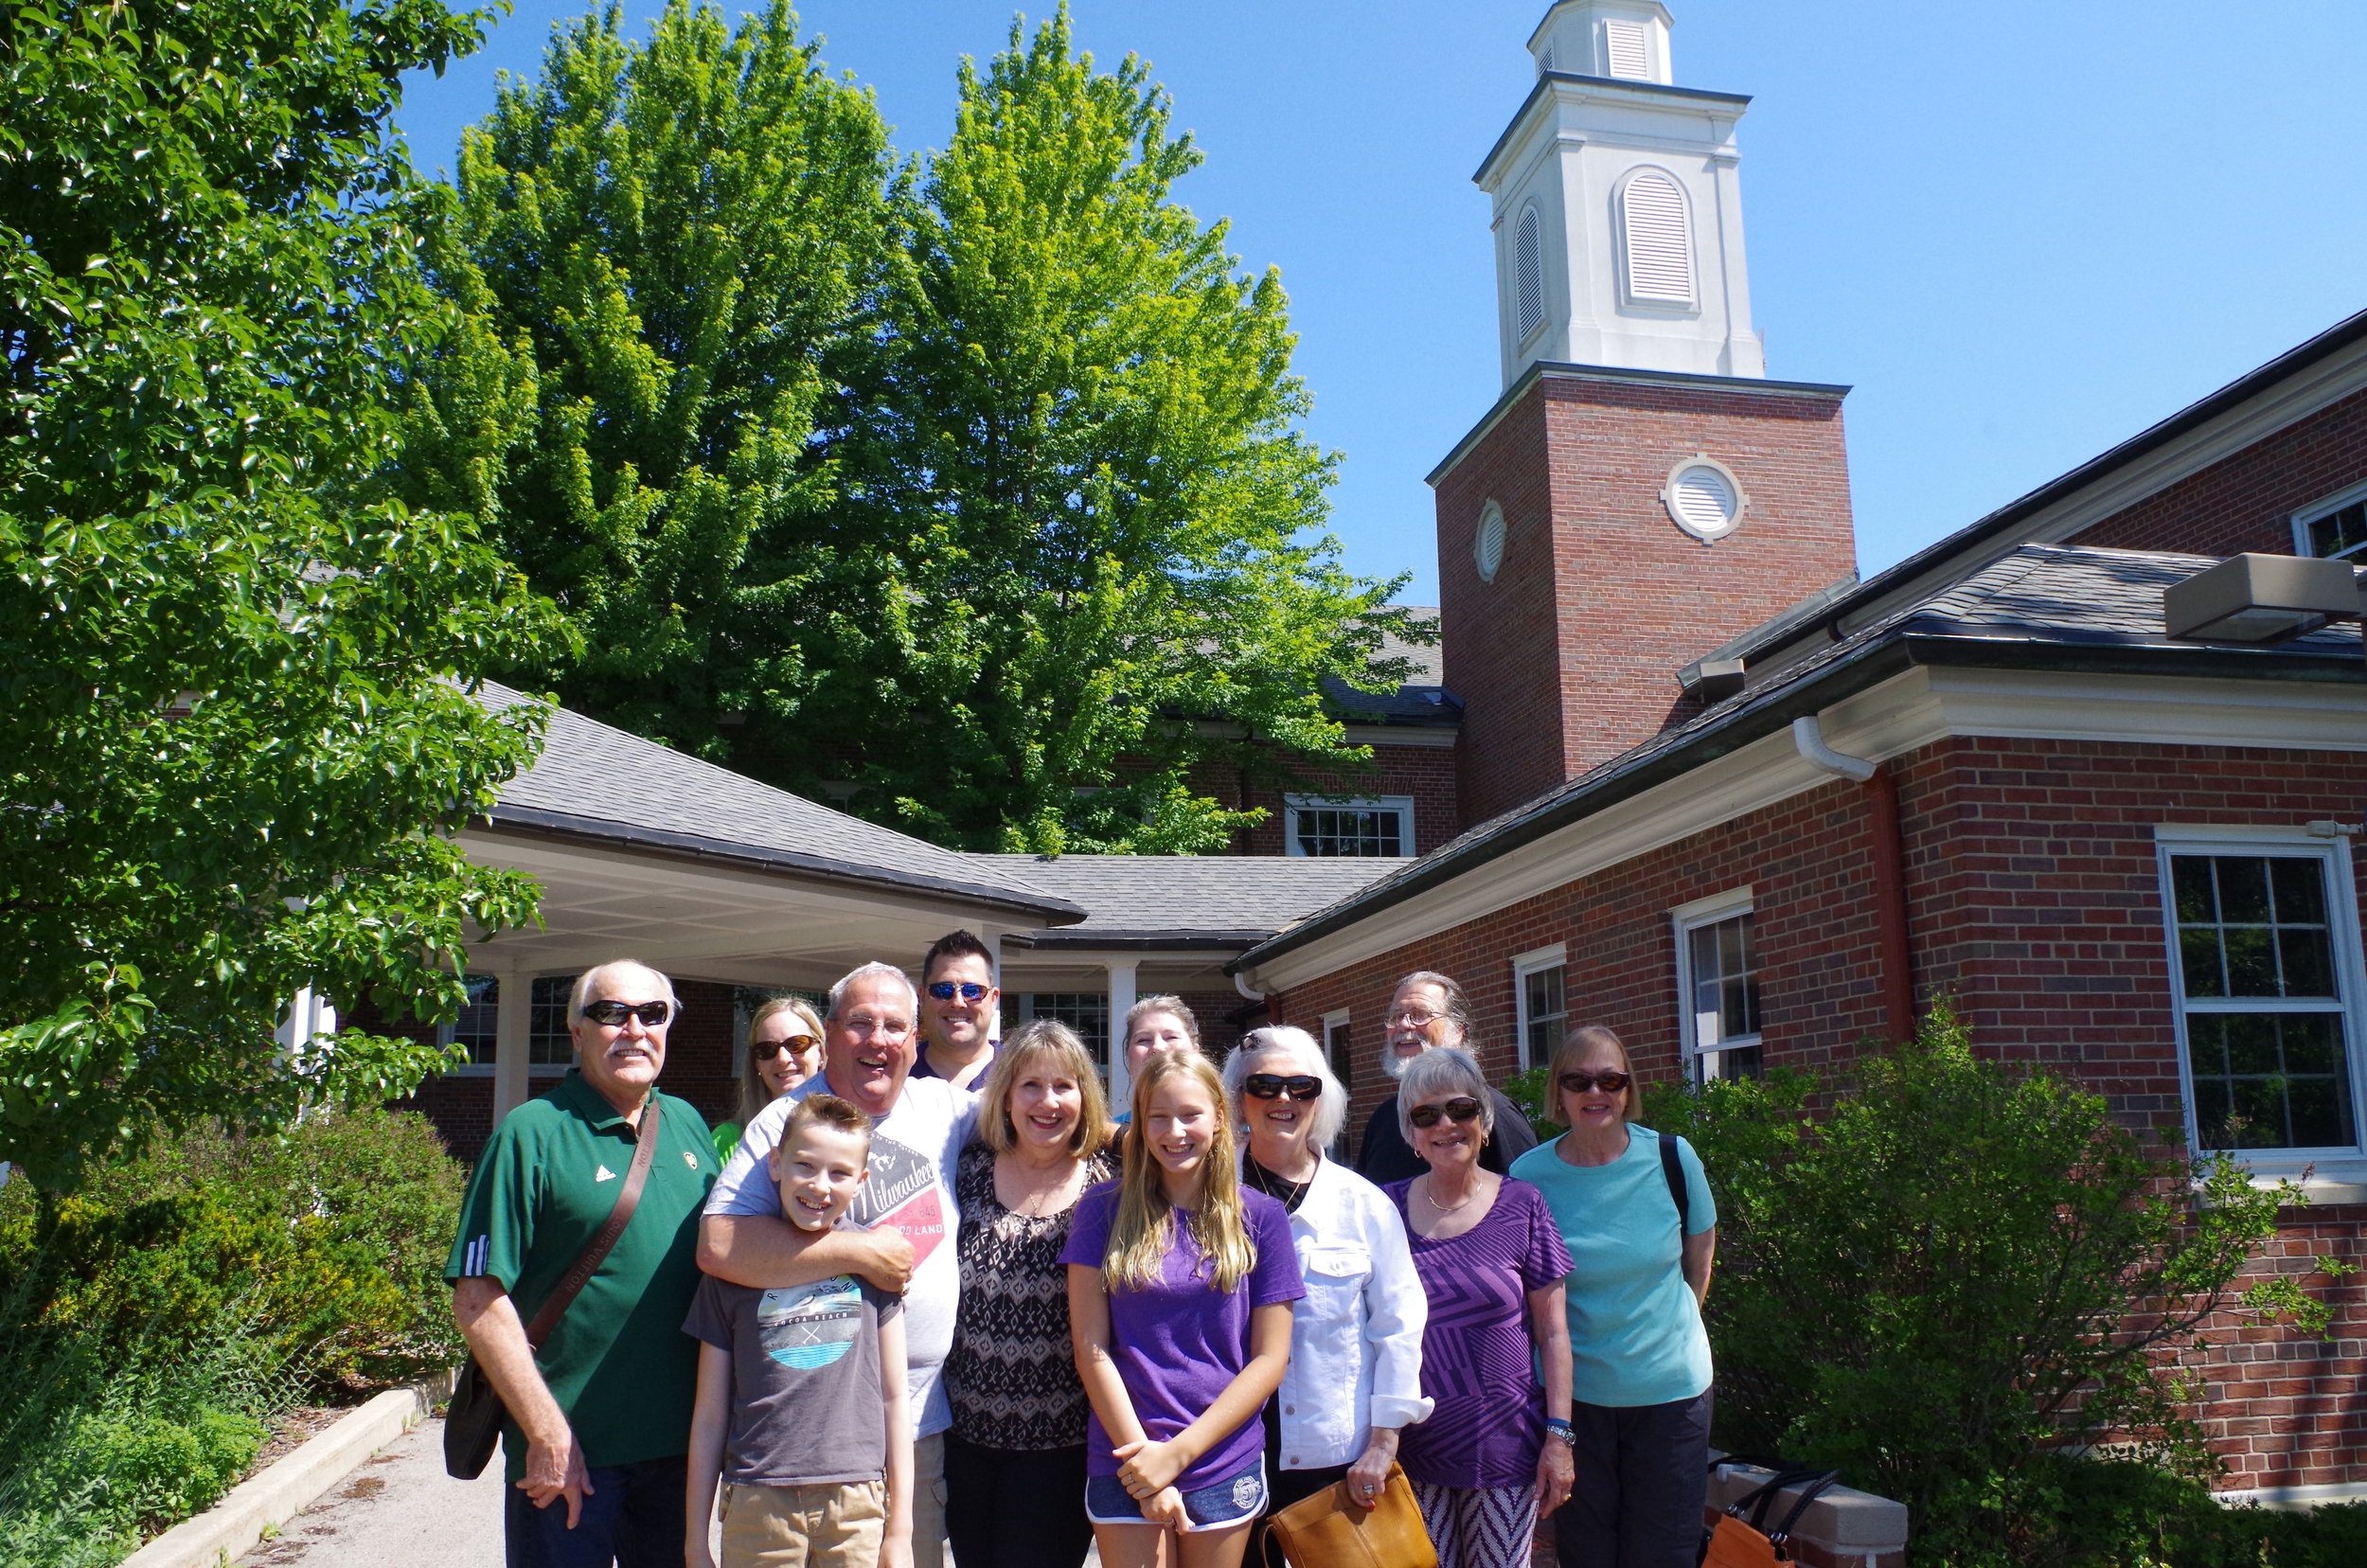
873,970
1331,1105
1443,1070
580,997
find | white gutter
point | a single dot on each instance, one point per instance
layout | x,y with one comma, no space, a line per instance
1813,751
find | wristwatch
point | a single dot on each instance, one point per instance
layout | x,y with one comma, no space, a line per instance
1561,1429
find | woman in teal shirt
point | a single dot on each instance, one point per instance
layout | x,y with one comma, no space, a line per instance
1640,1271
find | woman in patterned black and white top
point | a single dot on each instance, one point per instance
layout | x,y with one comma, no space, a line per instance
1015,1459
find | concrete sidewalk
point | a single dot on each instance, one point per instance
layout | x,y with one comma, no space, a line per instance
398,1510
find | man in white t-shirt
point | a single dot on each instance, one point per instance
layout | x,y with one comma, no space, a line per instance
906,1206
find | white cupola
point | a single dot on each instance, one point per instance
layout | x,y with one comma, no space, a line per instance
1618,212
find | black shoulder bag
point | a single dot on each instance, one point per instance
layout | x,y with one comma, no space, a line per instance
473,1422
1677,1189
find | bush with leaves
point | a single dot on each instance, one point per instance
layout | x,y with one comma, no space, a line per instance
1952,1269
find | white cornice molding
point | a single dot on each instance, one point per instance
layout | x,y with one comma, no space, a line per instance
1905,713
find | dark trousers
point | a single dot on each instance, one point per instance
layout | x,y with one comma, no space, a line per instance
1643,1476
1015,1508
632,1517
1284,1487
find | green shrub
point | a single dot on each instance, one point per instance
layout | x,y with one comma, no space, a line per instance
1947,1271
156,1471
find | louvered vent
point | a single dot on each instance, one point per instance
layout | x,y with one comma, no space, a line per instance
1631,56
1487,541
1660,253
1528,276
1545,61
1704,500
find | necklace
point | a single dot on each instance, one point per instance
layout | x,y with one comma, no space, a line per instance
1448,1208
1279,1187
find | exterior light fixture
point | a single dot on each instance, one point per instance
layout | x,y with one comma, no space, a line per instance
2260,598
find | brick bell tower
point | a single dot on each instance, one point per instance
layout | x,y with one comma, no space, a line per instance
1641,493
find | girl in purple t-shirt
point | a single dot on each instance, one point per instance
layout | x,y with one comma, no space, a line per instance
1180,1286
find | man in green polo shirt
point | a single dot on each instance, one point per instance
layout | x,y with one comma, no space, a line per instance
600,1413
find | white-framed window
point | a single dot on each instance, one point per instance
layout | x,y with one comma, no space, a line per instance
474,1027
2335,528
2265,975
1541,1001
1355,825
1087,1013
550,1050
1717,986
1656,238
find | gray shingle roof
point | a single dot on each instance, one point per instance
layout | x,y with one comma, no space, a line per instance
2037,599
1188,901
595,781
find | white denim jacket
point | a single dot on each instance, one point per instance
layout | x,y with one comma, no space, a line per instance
1355,1340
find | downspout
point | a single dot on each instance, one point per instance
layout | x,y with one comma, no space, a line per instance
1890,870
1273,1003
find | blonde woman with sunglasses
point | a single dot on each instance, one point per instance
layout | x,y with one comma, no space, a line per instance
1635,1212
784,1050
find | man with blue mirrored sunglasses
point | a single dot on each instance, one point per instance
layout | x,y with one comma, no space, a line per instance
959,1011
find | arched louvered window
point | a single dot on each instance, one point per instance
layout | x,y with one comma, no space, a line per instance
1528,276
1659,241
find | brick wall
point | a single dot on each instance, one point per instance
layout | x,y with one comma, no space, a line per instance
1571,655
2033,901
2245,502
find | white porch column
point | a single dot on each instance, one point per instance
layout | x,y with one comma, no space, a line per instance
1121,971
308,1015
992,936
513,1002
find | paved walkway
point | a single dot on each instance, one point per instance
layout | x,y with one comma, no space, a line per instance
398,1510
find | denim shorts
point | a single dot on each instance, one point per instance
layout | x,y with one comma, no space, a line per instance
1234,1499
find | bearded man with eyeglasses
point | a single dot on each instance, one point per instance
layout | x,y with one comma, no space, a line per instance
1429,1010
599,1413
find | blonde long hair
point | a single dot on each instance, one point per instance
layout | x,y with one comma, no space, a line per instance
1144,1227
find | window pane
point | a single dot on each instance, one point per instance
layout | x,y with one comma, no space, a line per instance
1725,981
1340,1049
1323,831
547,1042
474,1027
2254,925
1087,1013
2279,1081
2340,532
1545,1010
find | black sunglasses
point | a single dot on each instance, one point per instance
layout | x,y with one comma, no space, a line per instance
1299,1086
943,989
767,1049
1578,1083
613,1014
1462,1107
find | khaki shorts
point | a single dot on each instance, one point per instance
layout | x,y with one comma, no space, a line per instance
826,1527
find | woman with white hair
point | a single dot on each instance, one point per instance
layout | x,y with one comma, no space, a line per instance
1498,1451
1355,1340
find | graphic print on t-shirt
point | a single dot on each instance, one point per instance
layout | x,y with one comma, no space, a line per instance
902,1191
811,1326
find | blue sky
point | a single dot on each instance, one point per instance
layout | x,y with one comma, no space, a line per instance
2022,231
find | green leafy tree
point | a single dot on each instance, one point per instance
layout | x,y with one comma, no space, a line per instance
1946,1276
664,253
1092,525
235,664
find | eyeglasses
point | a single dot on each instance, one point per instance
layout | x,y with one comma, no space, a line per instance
1462,1107
864,1023
1299,1086
612,1014
970,990
1419,1019
795,1045
1578,1083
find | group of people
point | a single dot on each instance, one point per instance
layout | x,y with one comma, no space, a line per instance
936,1298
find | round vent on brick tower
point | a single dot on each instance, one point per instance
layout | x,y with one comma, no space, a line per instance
1704,498
1487,541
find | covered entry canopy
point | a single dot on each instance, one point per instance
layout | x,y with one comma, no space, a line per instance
645,852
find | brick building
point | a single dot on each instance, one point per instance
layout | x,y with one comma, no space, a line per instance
1675,768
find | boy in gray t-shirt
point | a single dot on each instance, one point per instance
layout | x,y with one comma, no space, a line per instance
802,1407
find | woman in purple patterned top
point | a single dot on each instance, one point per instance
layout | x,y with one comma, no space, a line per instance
1496,1451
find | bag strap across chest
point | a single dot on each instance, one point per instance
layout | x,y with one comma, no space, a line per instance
597,1250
